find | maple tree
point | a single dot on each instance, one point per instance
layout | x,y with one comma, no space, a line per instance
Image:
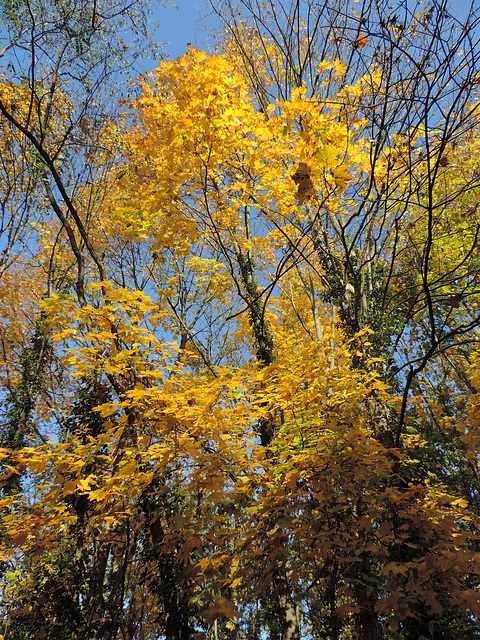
252,408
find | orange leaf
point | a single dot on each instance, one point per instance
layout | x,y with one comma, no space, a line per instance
361,40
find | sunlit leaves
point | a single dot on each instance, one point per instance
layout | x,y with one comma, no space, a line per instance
228,223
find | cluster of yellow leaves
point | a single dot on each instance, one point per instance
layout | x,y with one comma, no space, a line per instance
200,153
308,487
199,108
50,119
448,219
21,290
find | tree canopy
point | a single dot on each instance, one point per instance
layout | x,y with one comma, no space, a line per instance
239,319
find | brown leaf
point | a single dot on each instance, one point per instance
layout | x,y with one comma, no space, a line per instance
301,177
471,211
444,161
455,299
221,608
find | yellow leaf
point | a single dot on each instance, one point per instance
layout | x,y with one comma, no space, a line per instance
342,177
84,483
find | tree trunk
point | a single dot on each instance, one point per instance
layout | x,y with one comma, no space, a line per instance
269,425
290,630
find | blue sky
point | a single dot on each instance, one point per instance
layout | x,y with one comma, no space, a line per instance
189,22
185,24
